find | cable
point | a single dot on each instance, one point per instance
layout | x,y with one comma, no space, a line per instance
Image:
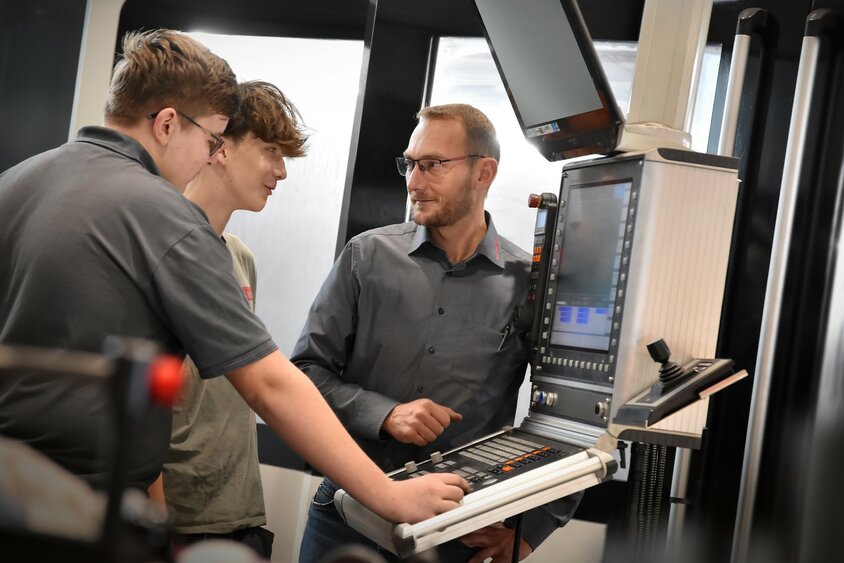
517,538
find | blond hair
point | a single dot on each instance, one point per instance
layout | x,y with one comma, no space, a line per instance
165,68
480,132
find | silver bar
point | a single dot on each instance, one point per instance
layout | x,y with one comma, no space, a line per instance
674,546
735,84
47,362
773,296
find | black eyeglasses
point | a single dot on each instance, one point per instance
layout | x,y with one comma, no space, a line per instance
214,144
434,166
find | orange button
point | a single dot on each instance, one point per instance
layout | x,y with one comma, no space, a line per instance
507,468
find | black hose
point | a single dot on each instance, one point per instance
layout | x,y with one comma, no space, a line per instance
517,538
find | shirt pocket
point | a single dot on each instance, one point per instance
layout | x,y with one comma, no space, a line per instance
479,355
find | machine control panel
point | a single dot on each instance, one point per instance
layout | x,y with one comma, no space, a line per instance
490,461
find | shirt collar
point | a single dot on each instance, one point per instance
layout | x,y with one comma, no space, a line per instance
119,143
490,246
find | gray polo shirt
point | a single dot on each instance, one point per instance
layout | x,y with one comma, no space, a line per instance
93,242
395,321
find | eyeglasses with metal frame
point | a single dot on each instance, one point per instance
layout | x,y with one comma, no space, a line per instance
433,165
216,142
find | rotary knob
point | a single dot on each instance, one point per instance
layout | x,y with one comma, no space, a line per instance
602,408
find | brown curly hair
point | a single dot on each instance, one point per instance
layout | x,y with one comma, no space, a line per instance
268,114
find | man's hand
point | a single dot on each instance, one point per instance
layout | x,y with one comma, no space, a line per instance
495,541
424,497
419,422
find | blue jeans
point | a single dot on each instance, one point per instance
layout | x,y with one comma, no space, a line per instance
326,531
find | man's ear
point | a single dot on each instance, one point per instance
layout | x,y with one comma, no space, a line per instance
221,156
486,171
164,124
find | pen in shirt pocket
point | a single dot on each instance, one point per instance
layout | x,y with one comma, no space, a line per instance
508,328
505,332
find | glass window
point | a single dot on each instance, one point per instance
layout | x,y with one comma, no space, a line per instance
294,237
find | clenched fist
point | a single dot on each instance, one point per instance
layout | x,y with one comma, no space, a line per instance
419,422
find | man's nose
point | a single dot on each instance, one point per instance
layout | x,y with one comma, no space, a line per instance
280,171
414,178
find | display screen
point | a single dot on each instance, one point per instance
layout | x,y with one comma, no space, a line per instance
589,263
552,75
538,53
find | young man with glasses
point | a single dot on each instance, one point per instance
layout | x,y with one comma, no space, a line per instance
96,239
409,338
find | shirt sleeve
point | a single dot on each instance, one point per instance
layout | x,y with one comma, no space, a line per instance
327,341
195,291
541,521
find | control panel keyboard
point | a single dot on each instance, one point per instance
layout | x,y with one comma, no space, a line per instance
492,460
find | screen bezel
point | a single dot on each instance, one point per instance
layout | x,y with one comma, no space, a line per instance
580,364
593,132
629,183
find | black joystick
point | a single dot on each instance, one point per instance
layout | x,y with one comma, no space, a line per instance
669,372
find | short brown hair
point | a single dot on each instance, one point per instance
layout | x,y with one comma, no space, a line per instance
268,114
480,132
165,68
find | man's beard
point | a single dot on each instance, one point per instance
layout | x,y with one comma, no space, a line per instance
449,212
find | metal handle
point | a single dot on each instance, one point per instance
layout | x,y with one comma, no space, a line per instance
735,85
750,21
776,280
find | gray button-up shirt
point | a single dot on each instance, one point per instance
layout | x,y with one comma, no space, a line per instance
395,321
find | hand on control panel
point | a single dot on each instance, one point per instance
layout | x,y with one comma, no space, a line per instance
419,422
495,541
418,499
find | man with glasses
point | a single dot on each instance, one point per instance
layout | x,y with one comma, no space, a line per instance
97,239
410,337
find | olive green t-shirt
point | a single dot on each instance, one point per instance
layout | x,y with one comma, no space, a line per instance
212,482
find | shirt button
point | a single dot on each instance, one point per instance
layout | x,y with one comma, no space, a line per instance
431,350
420,389
441,311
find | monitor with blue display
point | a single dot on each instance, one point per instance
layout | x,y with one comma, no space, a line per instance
590,259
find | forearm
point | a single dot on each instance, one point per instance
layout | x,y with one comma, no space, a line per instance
292,406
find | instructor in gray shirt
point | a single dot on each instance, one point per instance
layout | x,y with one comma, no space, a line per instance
409,339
